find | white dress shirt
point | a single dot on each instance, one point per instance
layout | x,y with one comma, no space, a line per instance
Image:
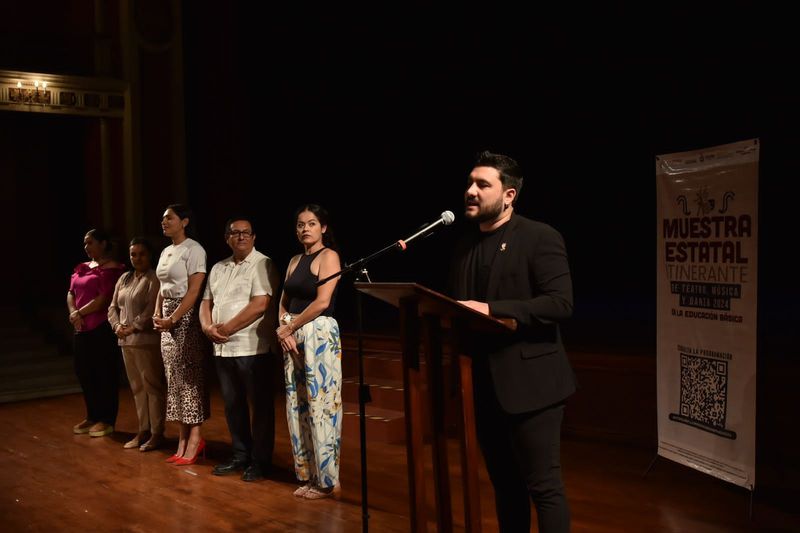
230,288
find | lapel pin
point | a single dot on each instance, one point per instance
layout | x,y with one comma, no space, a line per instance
503,247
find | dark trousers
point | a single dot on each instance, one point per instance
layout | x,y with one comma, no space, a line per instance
242,379
523,457
97,367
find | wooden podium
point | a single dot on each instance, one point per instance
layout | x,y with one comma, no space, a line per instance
423,312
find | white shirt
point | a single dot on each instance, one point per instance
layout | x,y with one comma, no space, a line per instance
176,264
230,288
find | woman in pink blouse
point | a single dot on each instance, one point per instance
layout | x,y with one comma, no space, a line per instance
96,353
131,318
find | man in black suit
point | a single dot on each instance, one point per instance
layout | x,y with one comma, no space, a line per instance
512,267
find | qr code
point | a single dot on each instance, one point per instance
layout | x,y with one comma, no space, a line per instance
704,390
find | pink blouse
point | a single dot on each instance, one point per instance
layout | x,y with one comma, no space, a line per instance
87,284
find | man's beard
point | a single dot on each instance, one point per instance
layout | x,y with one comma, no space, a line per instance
488,214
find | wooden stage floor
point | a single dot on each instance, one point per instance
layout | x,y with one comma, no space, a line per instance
52,480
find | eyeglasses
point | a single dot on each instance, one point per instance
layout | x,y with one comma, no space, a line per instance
246,234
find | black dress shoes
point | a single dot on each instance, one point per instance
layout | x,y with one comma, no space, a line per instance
234,465
253,472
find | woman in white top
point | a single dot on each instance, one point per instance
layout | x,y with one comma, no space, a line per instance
181,271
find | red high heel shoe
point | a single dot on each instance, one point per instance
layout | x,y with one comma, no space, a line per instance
201,448
172,458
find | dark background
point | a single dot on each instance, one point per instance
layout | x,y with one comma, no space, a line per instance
376,112
378,116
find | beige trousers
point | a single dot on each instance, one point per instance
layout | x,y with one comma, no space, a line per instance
145,371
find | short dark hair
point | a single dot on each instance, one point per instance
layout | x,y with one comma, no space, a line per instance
235,218
509,169
184,211
324,219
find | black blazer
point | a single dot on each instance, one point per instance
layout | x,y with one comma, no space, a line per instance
529,282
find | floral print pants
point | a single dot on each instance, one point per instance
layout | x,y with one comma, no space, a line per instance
314,401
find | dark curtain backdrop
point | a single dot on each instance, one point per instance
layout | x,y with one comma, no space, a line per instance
378,115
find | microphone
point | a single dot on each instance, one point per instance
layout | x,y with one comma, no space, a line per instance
446,218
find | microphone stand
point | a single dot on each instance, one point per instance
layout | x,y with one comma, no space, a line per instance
364,396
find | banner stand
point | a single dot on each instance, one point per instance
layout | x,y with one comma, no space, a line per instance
751,491
707,310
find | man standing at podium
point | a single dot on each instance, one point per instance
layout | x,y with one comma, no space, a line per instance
508,266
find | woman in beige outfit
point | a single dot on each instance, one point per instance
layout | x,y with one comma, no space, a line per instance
130,315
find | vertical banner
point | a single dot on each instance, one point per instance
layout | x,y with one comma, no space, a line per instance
707,309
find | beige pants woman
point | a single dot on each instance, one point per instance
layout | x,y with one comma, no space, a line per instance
145,370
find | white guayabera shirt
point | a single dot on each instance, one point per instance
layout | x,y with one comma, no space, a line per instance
230,288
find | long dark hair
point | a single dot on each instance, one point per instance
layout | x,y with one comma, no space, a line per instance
184,211
324,219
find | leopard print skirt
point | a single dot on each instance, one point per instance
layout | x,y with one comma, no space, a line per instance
184,350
